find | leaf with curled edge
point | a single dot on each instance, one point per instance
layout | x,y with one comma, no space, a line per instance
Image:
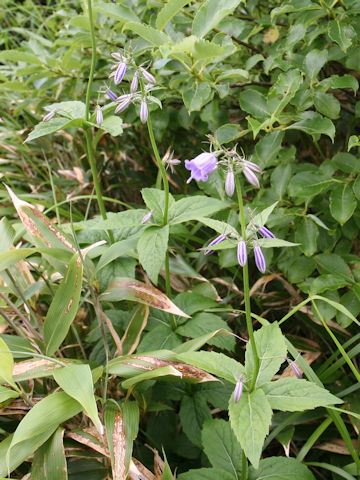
38,226
130,289
131,366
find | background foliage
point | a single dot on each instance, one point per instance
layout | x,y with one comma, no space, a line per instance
280,79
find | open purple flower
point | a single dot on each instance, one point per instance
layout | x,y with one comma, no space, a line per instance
217,240
201,166
265,232
259,259
242,253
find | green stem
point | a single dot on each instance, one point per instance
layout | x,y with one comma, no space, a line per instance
93,61
247,289
244,469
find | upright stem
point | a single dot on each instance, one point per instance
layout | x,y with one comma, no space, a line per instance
89,143
244,469
246,288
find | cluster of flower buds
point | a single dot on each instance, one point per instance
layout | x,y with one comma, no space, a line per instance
141,75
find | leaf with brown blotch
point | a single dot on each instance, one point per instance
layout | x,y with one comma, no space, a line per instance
336,446
88,439
119,442
38,368
138,471
130,289
38,226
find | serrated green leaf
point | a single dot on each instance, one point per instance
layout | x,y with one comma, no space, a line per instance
53,125
168,11
112,125
280,468
152,247
193,207
341,33
250,420
121,13
151,35
342,203
211,13
297,395
271,350
194,411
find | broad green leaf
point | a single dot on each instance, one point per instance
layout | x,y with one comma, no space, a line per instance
342,203
327,104
343,81
53,125
299,269
206,474
215,363
308,183
297,395
221,446
151,35
306,234
346,162
152,247
196,96
250,420
130,289
339,307
130,417
271,350
327,282
49,460
204,51
168,11
314,124
228,133
116,250
198,342
119,12
314,62
193,207
63,307
128,221
295,6
233,74
112,125
331,262
20,56
155,200
261,218
280,178
76,381
21,451
49,413
220,227
7,365
131,337
341,33
210,14
203,323
280,468
352,303
72,109
286,87
275,242
253,102
193,412
6,393
268,148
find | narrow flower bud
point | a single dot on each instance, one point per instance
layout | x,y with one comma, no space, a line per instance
117,56
230,183
265,232
147,75
147,217
124,103
259,259
217,240
112,95
134,83
238,390
120,72
49,115
251,177
144,112
99,115
252,166
295,368
242,253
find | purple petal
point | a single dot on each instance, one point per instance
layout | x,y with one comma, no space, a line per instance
217,240
251,177
201,166
259,259
112,95
265,232
120,73
144,112
238,390
252,166
123,104
230,183
134,83
148,76
49,115
242,253
99,115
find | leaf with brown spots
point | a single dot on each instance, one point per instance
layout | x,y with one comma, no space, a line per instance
130,289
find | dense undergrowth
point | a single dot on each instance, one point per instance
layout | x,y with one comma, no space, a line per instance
133,134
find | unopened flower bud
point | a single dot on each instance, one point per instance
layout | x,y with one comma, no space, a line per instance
230,183
99,115
49,115
134,83
251,177
265,232
120,72
238,390
259,259
295,368
144,112
117,56
112,95
123,104
147,217
242,253
252,166
217,240
147,75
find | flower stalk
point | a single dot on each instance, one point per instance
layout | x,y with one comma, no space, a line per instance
245,271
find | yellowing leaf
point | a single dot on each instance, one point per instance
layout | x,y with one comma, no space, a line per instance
270,36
